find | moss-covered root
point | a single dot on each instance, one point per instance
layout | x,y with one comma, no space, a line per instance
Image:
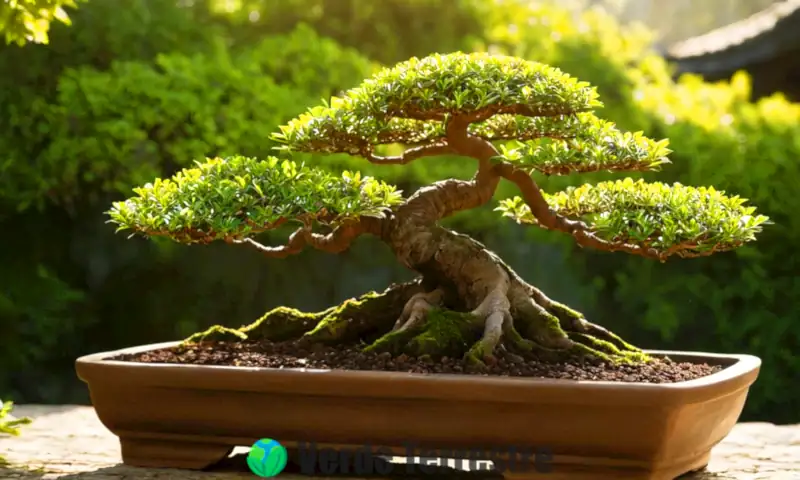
345,322
578,339
442,333
455,334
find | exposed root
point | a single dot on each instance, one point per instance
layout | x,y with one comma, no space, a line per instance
417,308
348,322
495,310
444,333
472,303
587,334
513,316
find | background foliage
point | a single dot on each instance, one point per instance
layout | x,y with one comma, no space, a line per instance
140,88
23,21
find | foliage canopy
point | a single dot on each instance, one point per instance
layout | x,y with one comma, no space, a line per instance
429,89
546,112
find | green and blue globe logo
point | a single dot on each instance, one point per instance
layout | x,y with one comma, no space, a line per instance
267,458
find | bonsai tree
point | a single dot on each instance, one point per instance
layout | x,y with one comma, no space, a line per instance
513,119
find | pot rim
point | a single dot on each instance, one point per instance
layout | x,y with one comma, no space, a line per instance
739,372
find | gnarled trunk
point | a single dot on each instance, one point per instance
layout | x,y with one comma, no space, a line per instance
463,276
466,302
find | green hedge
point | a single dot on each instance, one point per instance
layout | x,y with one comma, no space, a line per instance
23,21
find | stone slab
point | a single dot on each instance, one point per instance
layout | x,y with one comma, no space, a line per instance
69,443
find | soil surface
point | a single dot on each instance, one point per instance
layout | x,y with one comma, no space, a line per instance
296,355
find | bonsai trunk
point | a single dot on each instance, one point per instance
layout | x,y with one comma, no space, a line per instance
467,301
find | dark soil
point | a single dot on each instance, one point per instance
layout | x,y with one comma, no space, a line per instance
295,355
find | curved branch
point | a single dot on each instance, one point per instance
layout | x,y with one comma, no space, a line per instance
550,220
336,241
468,145
448,197
294,245
428,150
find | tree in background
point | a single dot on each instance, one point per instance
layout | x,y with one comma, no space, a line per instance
458,104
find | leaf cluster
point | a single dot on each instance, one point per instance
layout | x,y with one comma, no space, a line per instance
577,144
10,426
235,197
674,219
388,107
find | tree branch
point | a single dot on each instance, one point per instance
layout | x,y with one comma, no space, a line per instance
428,150
481,114
448,197
550,220
469,145
337,241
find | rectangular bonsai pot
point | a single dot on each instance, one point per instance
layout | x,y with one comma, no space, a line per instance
191,416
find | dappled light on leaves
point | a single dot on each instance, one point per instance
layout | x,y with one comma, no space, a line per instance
578,144
235,197
676,220
23,21
443,104
429,89
505,98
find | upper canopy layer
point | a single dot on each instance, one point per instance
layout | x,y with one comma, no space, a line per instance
398,104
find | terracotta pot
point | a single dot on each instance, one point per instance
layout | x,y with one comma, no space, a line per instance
190,416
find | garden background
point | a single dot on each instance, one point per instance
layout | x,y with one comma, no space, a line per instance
135,89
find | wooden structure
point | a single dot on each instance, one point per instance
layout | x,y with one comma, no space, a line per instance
766,45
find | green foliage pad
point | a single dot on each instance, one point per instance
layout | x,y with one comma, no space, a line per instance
674,219
543,109
398,104
231,198
575,144
747,300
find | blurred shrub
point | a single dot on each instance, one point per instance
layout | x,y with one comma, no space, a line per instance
745,301
103,31
388,31
107,130
9,425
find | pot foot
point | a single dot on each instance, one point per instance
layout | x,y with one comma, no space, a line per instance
153,453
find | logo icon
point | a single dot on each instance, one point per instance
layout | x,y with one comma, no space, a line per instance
267,458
